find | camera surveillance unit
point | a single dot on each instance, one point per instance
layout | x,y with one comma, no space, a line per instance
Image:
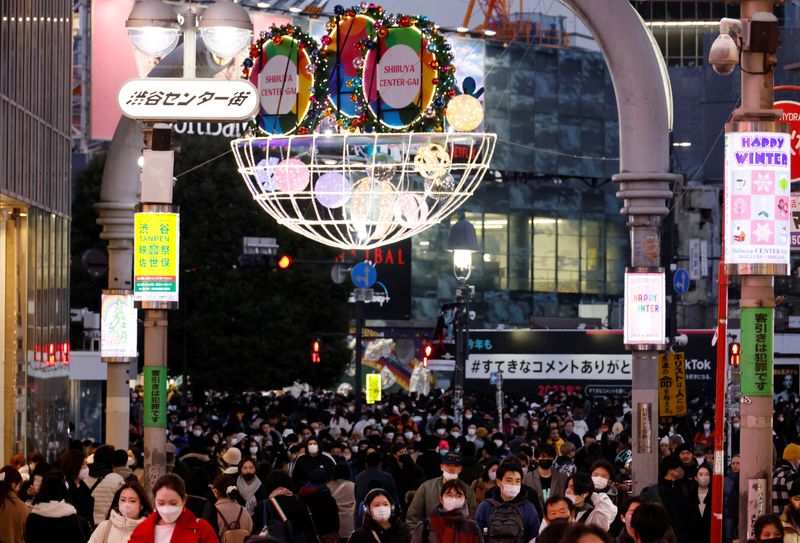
724,53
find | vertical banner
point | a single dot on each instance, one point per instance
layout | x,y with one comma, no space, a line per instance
757,351
373,387
756,503
672,385
796,221
155,259
645,309
118,322
757,207
155,396
644,437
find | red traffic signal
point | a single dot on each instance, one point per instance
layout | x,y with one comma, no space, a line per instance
316,348
284,262
427,351
734,353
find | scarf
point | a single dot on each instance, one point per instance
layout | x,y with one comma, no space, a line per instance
248,492
453,526
310,488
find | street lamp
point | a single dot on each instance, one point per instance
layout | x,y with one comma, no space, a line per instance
226,29
153,28
462,243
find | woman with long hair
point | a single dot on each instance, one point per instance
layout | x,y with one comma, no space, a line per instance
171,522
249,485
230,513
381,524
486,482
13,511
129,508
76,470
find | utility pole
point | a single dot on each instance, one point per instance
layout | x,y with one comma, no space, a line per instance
752,42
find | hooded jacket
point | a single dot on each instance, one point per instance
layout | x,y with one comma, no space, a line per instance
118,527
188,529
55,522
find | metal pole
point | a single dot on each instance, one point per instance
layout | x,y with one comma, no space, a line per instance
720,402
155,437
359,351
757,290
461,351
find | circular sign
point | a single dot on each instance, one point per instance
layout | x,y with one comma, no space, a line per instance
791,115
680,281
95,262
398,79
341,48
364,275
278,85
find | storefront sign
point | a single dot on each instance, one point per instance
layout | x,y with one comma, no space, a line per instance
171,99
791,115
757,207
672,385
155,259
118,318
592,367
644,308
373,387
757,351
155,396
796,221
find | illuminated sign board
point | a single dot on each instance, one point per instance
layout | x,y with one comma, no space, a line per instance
118,319
645,308
155,258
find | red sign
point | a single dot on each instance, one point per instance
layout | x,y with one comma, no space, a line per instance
791,115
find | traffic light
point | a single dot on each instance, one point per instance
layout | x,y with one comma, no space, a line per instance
316,351
734,353
284,262
427,351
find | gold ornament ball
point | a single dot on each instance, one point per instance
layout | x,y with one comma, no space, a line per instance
464,113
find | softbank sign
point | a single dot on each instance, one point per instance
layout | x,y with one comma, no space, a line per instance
225,130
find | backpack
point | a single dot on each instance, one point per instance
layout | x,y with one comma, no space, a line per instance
505,524
233,530
279,526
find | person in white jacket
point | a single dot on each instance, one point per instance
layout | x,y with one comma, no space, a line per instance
129,508
590,507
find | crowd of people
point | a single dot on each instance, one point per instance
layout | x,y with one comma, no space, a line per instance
317,467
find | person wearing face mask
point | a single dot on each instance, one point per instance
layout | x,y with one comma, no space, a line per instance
701,503
103,481
569,435
486,482
673,492
511,517
448,521
171,522
313,459
380,524
603,473
407,475
499,440
768,529
544,480
591,507
129,508
790,517
249,485
705,435
13,512
426,498
472,436
53,519
76,471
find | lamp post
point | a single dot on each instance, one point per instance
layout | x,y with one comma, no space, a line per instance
154,29
462,243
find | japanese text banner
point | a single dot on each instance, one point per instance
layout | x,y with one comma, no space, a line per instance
579,367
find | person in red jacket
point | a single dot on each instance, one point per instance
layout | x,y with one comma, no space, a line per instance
171,522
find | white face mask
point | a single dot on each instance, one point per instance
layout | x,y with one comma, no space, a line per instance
170,513
599,482
450,503
492,475
131,461
455,435
129,509
381,513
703,480
706,427
253,450
390,435
197,433
511,491
408,435
313,449
471,431
83,474
440,431
570,497
449,476
737,425
498,442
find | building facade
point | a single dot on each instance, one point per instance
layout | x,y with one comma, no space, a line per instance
35,196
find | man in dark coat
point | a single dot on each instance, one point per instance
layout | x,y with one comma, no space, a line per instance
374,477
673,492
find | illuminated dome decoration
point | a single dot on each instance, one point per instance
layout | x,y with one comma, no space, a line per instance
361,141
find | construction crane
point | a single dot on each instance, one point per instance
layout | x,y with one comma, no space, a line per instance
500,22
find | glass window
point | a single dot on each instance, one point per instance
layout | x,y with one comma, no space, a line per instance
616,246
544,254
592,265
495,250
519,253
569,255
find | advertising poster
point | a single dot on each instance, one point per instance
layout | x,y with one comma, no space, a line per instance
672,385
757,351
118,325
155,396
645,309
786,383
757,198
155,258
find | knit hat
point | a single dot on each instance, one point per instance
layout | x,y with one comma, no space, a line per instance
481,432
232,456
792,452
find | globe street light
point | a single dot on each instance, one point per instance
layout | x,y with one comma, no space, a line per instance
226,29
153,28
462,242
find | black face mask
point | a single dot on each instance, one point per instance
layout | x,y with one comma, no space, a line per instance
772,540
546,464
248,477
406,460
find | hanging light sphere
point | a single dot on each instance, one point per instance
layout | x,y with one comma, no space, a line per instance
333,190
264,171
410,210
432,161
464,113
441,187
381,172
372,205
291,175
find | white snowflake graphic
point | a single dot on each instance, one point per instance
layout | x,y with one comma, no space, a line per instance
762,183
762,232
795,145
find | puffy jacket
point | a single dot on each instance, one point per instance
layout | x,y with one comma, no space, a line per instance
118,527
55,522
188,529
103,494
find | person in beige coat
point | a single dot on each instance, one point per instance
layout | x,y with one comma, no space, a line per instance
343,491
13,511
129,508
229,510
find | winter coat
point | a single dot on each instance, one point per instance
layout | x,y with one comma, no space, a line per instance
471,470
12,519
602,513
791,532
305,464
426,498
188,529
55,522
373,477
675,496
397,532
81,497
323,508
442,524
118,528
530,518
295,510
103,494
407,479
228,510
344,494
558,484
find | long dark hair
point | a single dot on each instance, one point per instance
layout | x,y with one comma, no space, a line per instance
71,463
53,488
147,507
8,476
